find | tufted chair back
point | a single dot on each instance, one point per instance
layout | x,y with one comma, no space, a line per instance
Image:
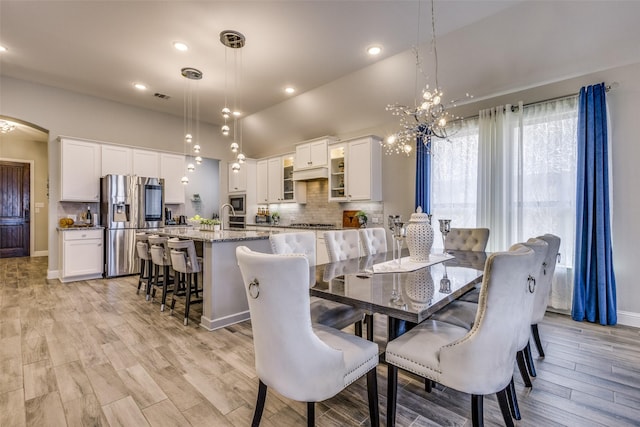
467,239
159,250
540,249
289,357
544,284
342,244
374,240
184,258
142,249
481,362
303,242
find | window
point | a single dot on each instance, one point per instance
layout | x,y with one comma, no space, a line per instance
454,171
535,151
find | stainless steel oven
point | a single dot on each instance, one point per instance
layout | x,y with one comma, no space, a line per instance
238,202
237,222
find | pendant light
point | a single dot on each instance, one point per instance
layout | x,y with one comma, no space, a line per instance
233,40
191,120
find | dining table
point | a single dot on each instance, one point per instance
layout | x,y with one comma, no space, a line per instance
380,285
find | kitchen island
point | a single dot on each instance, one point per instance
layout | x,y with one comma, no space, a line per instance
224,298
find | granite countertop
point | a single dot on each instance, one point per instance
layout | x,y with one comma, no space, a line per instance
209,236
82,227
296,227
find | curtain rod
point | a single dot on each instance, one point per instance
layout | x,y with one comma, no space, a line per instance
607,88
514,108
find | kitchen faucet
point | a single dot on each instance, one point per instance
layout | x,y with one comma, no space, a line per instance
233,212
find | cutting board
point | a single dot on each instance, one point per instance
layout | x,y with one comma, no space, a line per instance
350,220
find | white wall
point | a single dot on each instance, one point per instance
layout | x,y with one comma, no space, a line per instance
205,181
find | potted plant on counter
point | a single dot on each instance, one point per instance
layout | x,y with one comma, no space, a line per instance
275,218
209,225
362,218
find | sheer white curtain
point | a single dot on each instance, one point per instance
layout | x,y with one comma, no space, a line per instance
499,180
512,170
548,205
454,172
527,180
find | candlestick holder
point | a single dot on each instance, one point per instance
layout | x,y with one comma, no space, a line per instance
445,228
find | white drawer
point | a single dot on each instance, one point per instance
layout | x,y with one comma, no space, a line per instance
82,234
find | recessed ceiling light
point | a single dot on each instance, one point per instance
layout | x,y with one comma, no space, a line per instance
289,90
374,50
3,49
180,46
237,113
140,86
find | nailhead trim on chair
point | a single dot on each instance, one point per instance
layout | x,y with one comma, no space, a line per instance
366,362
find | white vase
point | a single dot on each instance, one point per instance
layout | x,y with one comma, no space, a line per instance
419,236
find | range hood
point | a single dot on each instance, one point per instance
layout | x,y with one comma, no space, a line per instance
309,174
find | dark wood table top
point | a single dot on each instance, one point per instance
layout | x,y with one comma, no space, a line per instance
411,296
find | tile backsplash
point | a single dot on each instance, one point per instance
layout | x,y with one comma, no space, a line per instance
319,210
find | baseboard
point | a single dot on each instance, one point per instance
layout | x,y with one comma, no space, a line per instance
221,322
629,318
52,274
40,253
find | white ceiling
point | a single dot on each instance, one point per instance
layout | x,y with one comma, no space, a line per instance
101,47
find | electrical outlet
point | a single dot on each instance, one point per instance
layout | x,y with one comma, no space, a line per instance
375,220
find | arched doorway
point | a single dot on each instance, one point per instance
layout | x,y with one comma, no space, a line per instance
24,189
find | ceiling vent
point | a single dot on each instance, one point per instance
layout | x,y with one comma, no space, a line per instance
161,95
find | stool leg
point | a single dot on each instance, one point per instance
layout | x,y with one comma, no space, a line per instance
175,290
142,275
165,284
153,281
187,302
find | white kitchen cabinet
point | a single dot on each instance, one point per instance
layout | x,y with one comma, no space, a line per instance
275,182
312,154
81,254
237,179
146,163
116,160
321,249
262,176
355,170
80,171
172,167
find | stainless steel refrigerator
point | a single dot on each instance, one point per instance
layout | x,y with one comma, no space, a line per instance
128,203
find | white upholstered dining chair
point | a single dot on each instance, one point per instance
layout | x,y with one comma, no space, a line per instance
467,239
301,361
374,240
342,244
544,287
477,361
328,313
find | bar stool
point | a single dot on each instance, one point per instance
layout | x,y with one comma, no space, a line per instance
185,262
161,263
146,271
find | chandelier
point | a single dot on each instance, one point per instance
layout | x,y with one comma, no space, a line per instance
233,40
191,121
428,117
6,127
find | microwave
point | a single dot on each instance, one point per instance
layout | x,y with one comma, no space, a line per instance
238,202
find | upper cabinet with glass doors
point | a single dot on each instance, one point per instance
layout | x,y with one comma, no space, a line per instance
355,170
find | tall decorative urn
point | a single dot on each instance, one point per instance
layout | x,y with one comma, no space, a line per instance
419,236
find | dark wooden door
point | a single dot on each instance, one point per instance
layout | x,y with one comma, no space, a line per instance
14,209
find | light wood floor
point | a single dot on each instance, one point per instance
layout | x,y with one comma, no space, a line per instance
94,353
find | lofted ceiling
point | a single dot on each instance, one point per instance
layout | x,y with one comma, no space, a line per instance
101,47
